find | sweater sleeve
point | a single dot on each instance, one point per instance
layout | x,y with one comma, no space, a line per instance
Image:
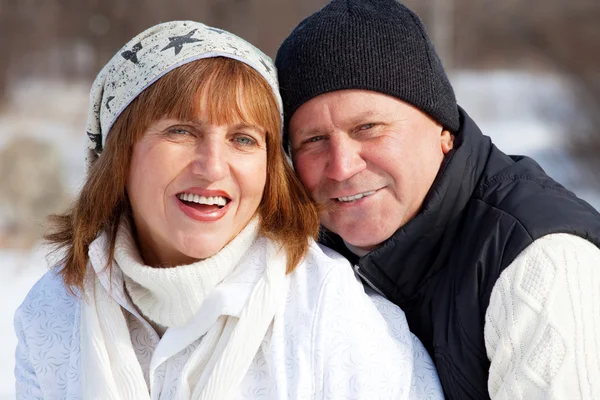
27,386
542,328
363,348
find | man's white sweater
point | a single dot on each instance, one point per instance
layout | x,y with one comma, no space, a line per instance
542,330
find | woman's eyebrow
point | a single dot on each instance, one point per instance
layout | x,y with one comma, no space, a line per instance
200,123
247,126
193,121
253,127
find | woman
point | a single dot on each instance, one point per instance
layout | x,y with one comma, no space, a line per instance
190,268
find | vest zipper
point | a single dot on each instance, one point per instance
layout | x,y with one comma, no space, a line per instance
367,281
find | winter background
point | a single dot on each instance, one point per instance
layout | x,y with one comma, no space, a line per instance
524,73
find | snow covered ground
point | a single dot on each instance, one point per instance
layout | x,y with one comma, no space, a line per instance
521,112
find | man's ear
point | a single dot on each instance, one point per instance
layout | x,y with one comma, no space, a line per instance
447,140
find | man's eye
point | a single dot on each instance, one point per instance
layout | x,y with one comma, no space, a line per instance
313,139
366,127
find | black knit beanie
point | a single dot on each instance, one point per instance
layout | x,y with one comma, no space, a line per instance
377,45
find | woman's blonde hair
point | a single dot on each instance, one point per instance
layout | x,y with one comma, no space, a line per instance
286,212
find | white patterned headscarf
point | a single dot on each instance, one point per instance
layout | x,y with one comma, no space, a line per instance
152,54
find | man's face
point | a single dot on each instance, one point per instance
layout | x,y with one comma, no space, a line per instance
368,158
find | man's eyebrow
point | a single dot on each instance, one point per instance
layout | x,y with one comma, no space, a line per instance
310,132
362,117
349,123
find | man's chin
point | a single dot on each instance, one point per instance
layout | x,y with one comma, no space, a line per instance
366,247
364,240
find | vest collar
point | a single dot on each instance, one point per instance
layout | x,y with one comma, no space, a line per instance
418,250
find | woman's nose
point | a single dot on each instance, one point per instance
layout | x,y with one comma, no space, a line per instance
210,160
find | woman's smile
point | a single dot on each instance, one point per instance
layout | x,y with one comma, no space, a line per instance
207,207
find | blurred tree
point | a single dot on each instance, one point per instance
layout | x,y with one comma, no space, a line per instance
74,38
28,193
556,36
8,40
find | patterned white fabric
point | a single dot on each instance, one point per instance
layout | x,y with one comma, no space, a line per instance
542,330
328,340
111,369
149,56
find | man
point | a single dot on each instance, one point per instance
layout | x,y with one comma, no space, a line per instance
496,266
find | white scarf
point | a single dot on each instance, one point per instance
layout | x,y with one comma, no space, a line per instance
170,297
111,370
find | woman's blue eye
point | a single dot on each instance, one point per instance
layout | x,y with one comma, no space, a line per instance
245,140
179,131
366,126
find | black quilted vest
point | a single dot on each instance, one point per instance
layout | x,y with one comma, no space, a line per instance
483,209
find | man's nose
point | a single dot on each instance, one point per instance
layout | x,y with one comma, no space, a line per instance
345,158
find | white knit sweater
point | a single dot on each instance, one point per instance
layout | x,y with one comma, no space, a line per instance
175,298
328,338
542,330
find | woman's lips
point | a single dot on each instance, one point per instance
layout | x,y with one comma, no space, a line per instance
201,212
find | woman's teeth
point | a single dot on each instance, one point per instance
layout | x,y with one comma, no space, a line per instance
210,200
355,197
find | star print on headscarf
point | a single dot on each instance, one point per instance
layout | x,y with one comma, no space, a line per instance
108,100
97,140
131,55
177,42
265,65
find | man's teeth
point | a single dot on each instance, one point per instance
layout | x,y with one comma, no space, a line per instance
356,196
211,200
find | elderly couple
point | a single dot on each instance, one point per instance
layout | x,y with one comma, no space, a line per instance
400,256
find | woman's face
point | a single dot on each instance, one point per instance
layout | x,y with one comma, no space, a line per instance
193,186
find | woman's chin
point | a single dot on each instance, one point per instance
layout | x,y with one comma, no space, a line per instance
185,252
201,251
